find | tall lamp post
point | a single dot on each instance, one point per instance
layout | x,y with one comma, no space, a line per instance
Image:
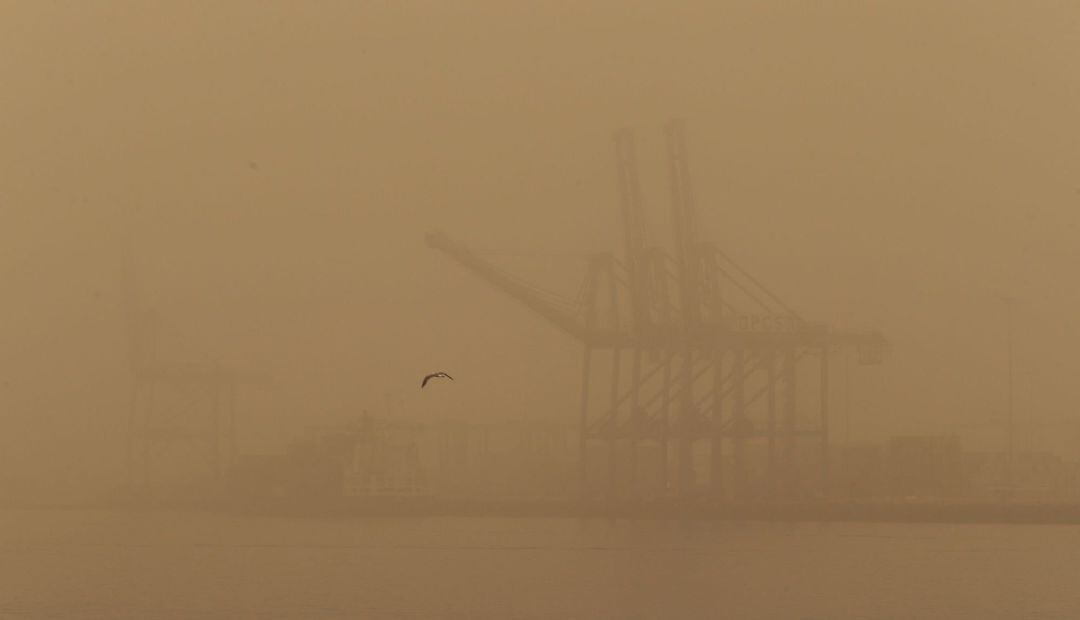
1009,481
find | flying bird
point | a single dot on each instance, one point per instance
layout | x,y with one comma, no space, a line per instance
435,375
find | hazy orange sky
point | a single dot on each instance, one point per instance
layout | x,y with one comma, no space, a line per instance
891,164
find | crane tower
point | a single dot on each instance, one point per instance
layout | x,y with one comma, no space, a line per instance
716,360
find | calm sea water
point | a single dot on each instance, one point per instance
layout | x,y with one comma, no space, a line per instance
82,564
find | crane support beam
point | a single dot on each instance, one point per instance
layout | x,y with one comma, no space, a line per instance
561,319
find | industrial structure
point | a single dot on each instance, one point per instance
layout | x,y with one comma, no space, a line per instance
395,458
182,417
385,461
684,349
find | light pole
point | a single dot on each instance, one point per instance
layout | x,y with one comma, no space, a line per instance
1009,403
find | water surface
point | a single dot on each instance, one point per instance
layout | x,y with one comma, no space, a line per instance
149,565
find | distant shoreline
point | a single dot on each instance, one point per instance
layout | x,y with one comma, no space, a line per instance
1060,514
810,512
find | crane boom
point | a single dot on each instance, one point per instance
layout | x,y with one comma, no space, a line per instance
566,321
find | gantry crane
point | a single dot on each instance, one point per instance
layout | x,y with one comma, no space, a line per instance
175,405
706,341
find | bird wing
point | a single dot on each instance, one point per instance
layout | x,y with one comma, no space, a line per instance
433,375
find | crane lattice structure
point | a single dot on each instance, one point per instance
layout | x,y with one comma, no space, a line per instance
181,412
716,359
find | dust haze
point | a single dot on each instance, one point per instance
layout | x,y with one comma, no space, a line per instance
257,185
272,168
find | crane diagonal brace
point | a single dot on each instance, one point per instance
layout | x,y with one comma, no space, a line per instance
566,322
